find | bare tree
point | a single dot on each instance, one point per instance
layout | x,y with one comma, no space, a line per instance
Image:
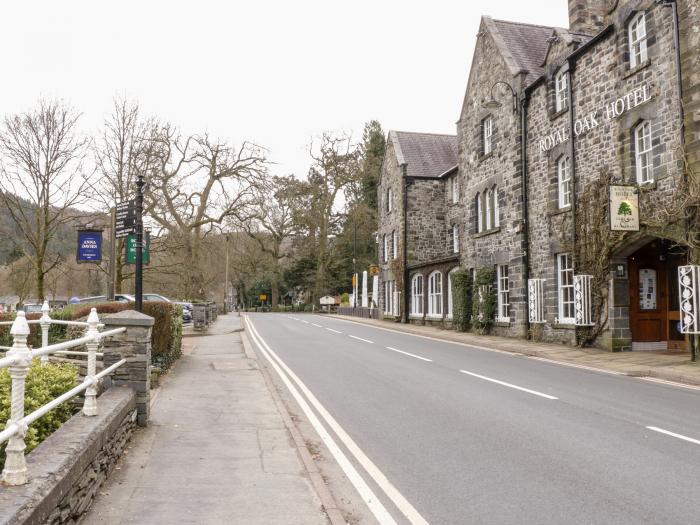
196,183
42,180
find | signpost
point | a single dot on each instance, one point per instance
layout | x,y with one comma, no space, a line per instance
125,219
89,246
130,246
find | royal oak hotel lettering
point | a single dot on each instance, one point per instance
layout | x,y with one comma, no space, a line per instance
592,120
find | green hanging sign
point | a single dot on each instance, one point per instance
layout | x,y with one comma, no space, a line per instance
131,249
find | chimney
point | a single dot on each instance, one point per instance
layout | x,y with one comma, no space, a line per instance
587,16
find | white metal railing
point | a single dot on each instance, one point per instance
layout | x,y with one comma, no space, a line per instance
18,360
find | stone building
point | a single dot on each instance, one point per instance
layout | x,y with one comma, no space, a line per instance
569,163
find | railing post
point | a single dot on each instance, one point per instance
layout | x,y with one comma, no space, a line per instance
134,345
90,405
45,323
15,471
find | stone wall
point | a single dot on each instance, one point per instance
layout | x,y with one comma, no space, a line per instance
67,469
689,24
428,237
501,169
601,75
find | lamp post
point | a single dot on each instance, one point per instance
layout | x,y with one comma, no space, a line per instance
492,103
226,278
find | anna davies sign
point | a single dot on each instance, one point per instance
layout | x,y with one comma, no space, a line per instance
89,246
593,119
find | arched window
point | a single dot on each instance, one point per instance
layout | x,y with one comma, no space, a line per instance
417,295
435,294
560,91
637,36
479,214
642,153
496,210
394,245
564,181
489,209
386,248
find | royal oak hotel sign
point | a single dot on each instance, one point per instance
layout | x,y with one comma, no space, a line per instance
605,114
624,208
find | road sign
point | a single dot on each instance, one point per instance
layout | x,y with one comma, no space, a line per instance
263,297
131,249
125,218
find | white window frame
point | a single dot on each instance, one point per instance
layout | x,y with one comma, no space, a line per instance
560,91
455,190
386,249
644,163
488,197
455,238
417,295
435,294
487,134
565,289
389,288
564,181
450,305
479,213
503,294
389,200
496,210
637,39
394,245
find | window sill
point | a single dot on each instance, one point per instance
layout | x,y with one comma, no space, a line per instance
487,232
646,186
434,317
556,114
564,326
415,316
502,323
559,211
636,69
488,155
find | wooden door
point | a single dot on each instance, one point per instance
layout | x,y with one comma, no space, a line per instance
649,298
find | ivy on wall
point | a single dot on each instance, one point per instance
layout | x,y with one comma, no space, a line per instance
462,298
484,299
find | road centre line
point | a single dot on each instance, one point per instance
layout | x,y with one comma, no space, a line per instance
409,354
334,331
673,434
317,325
377,475
304,321
509,385
360,339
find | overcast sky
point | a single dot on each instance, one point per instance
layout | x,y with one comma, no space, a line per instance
274,72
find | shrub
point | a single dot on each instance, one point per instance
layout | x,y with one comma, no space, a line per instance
166,338
345,299
484,299
462,295
43,384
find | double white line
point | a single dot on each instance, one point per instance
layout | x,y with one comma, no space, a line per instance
291,381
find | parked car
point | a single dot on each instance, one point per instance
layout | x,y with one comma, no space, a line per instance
32,308
92,299
186,311
155,297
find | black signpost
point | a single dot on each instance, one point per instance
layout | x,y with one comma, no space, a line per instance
138,219
125,218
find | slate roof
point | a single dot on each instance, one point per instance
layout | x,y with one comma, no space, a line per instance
425,154
526,43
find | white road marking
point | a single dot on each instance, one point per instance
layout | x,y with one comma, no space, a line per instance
679,436
509,385
407,353
672,383
360,339
575,365
304,321
334,331
317,325
377,475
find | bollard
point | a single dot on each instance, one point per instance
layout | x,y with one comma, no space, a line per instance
45,323
15,471
90,404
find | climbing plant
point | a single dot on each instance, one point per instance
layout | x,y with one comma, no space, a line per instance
462,294
484,299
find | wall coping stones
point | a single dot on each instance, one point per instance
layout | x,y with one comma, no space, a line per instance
128,318
57,465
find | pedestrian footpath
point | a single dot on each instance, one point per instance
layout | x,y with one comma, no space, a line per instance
216,450
658,365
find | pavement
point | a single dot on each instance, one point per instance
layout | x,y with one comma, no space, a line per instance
447,433
218,449
660,365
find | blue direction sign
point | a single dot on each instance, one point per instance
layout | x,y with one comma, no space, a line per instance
89,246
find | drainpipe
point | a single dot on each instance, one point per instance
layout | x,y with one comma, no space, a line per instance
572,167
526,242
406,184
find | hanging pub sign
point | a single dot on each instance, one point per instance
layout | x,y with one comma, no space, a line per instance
89,246
624,208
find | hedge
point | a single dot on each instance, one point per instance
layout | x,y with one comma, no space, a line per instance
43,384
462,294
166,338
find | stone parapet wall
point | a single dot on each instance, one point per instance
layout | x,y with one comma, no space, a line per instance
67,469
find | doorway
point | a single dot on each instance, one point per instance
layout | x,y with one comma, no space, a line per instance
654,305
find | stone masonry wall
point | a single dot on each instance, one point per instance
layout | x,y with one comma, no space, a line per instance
689,25
427,229
501,168
601,76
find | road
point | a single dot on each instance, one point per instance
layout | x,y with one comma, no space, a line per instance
466,435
